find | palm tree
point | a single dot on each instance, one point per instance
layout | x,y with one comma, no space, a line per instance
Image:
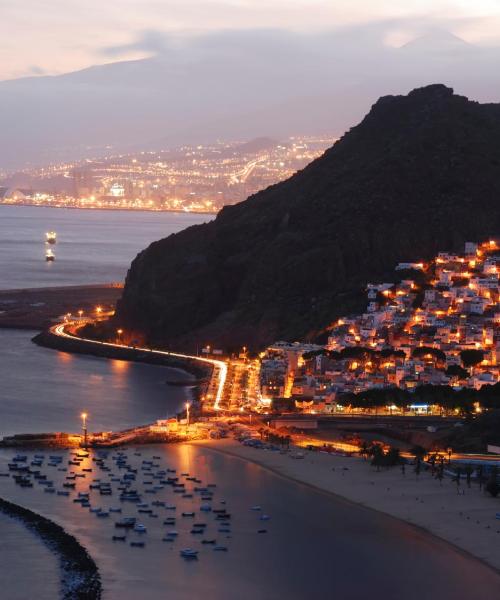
364,449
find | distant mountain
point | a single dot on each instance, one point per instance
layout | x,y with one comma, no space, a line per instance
256,145
231,85
419,174
437,42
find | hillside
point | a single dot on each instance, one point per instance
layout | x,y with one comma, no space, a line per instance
421,172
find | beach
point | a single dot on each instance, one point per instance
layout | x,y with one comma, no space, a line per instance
315,544
465,518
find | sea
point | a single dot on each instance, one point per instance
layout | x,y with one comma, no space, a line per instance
312,546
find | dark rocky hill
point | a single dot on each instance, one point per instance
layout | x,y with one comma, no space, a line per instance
420,173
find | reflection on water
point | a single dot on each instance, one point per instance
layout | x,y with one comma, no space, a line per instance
316,546
43,390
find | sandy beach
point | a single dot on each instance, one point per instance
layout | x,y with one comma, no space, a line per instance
465,519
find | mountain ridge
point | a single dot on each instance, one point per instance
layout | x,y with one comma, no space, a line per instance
419,173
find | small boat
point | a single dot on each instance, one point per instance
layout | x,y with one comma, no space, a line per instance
264,517
188,514
118,538
205,508
197,531
208,541
51,237
126,523
50,257
262,531
140,528
255,508
220,548
63,493
137,544
170,507
189,553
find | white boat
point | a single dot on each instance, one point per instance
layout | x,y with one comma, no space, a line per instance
49,256
255,508
140,528
189,553
51,237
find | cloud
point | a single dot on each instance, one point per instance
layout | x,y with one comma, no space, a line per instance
149,41
36,70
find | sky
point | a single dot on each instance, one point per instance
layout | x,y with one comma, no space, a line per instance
47,37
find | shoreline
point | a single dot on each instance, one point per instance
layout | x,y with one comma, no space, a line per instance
134,210
474,545
47,339
80,576
37,308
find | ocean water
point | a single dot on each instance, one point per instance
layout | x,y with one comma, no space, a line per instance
27,568
93,246
315,546
44,390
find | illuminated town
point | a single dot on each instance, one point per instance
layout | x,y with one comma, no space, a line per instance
437,327
200,178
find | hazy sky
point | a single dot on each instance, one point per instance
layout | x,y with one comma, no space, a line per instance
56,36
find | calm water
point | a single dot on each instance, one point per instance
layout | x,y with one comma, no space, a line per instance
31,565
315,546
93,246
55,387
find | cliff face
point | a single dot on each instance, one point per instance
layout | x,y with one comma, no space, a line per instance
420,173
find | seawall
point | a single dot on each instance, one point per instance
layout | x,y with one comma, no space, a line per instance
200,373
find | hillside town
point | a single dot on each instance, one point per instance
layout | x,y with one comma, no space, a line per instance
437,327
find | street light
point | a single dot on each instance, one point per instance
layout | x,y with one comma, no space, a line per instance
98,310
188,406
119,332
80,313
84,427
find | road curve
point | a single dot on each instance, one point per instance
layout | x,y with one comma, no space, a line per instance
220,367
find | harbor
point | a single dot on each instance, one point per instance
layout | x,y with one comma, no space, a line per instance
343,534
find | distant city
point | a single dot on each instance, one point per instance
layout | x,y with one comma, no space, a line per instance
201,178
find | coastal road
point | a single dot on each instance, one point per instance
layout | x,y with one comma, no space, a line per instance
220,366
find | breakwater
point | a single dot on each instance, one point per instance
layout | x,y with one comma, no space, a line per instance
201,372
80,577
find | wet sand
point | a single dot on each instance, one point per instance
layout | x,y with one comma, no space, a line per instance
465,518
